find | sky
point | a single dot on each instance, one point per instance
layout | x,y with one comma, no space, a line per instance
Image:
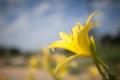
32,24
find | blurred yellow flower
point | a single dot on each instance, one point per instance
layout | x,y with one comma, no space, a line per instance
93,71
33,62
45,59
78,42
60,59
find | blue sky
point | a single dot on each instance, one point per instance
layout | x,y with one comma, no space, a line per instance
32,24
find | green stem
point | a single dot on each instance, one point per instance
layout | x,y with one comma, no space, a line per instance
98,62
111,75
99,67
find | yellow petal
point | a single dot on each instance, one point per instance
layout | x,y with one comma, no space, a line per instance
65,37
83,42
88,23
75,35
75,32
70,47
61,44
80,38
80,26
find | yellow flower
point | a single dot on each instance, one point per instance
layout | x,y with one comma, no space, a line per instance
79,41
59,60
33,63
45,59
32,66
93,71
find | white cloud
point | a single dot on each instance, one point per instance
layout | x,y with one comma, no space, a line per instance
33,29
41,8
23,19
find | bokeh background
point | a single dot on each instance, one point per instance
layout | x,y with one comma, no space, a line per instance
26,26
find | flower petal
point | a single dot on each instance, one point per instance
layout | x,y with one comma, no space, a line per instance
80,38
62,44
67,46
89,23
83,41
80,26
75,35
65,37
75,32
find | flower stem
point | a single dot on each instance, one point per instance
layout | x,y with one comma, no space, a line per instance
98,62
99,67
109,74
